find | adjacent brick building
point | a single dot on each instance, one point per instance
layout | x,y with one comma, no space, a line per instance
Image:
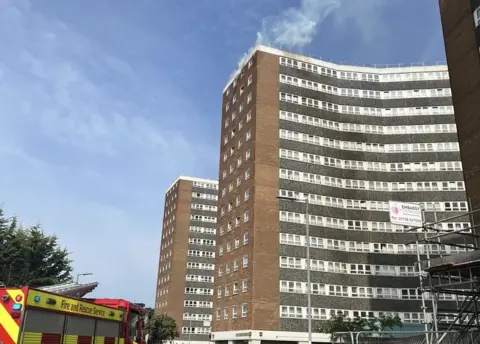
350,139
461,30
187,257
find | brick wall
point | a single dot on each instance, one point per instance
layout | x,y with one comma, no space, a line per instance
464,67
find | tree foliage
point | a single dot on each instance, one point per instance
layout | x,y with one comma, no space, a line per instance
30,257
338,324
160,328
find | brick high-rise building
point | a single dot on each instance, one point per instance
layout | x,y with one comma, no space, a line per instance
461,31
187,257
350,139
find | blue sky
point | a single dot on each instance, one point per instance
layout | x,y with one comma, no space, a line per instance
103,103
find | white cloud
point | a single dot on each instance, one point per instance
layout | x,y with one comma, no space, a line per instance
297,27
88,145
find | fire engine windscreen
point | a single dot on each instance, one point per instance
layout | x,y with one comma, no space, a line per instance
135,326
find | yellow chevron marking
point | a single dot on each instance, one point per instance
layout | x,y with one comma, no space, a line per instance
9,324
14,293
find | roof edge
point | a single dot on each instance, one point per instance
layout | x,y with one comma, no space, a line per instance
192,179
374,68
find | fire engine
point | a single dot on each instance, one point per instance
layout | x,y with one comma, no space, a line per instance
35,316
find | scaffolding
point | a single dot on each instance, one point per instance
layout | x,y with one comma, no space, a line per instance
454,277
397,337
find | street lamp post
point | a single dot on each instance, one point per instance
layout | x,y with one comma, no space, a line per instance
307,239
83,274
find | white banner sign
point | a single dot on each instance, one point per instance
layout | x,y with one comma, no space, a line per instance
405,214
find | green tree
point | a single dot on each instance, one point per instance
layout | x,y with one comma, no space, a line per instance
7,235
31,257
339,326
160,328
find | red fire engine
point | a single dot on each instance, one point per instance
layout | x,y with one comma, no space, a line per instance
33,316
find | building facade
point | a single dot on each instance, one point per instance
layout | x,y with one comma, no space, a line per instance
350,139
187,257
461,31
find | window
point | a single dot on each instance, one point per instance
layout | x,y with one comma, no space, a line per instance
247,173
218,313
245,238
245,261
247,195
238,200
249,116
237,243
249,135
249,98
234,312
229,246
219,292
235,265
244,310
246,216
250,79
250,63
227,106
247,154
220,251
235,288
244,286
225,313
224,174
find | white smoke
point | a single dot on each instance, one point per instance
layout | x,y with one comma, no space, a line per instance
296,27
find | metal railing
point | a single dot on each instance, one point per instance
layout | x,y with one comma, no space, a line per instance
404,337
